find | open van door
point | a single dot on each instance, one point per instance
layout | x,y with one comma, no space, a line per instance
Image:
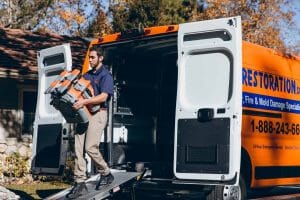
50,135
207,144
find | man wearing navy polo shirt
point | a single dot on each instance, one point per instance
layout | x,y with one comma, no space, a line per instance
102,83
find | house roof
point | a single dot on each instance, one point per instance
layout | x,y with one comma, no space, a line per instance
18,51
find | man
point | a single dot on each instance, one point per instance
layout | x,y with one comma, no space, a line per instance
88,141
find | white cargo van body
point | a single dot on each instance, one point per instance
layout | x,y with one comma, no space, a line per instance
176,108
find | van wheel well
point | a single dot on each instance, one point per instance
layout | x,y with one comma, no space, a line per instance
219,191
246,167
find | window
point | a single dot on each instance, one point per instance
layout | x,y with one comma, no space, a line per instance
54,59
200,88
29,105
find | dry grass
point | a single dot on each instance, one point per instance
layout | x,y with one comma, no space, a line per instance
38,190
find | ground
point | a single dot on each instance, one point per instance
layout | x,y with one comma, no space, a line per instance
39,190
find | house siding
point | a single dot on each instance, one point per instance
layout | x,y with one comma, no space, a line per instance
11,105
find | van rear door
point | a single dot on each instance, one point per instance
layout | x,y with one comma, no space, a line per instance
50,128
207,143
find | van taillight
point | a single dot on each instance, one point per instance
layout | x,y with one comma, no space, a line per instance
100,40
170,28
147,31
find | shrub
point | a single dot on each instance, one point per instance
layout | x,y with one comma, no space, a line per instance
15,165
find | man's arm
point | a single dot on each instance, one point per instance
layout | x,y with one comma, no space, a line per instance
94,100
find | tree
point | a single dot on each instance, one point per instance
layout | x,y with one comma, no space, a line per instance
70,17
176,11
262,20
23,14
119,12
127,14
265,22
99,26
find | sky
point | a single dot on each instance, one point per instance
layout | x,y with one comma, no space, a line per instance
297,6
294,35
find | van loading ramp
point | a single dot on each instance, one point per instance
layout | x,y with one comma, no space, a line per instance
120,178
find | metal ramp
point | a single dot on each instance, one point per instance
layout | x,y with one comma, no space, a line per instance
104,192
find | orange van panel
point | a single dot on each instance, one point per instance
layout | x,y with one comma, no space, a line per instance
271,115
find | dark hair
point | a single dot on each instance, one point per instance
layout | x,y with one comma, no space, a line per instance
99,51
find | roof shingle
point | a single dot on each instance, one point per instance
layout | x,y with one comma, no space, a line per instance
18,49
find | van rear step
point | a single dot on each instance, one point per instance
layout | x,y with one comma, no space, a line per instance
120,178
158,189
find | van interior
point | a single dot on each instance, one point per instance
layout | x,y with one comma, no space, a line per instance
145,79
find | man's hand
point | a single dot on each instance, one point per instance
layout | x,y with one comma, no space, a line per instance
79,104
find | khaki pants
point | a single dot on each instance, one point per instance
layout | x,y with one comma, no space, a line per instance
88,142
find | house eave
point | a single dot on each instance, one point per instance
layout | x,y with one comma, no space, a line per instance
15,74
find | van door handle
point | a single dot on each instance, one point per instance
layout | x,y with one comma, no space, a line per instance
205,114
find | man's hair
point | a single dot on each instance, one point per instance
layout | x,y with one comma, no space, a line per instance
98,50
